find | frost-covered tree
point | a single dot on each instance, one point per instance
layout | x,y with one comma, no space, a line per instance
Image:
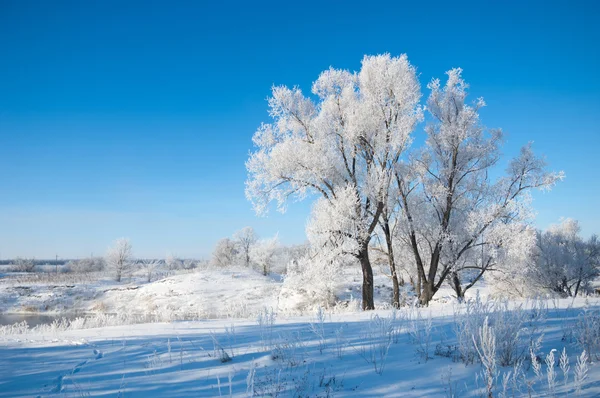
150,267
245,239
263,252
119,258
225,253
23,264
343,143
173,262
90,264
564,262
452,210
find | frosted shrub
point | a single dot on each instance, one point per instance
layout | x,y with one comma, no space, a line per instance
581,372
510,334
548,384
266,320
14,329
466,325
218,350
289,349
485,345
551,373
587,332
310,283
515,329
420,332
378,338
318,328
91,264
23,264
564,366
340,342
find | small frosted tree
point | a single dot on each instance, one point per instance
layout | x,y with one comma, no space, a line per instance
563,262
263,254
23,264
150,267
245,239
225,253
173,262
119,258
90,264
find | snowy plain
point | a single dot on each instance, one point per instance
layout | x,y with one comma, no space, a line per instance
255,349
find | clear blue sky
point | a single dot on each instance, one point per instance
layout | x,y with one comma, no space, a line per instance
121,118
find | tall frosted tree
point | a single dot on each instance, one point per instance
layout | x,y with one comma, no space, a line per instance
344,142
455,217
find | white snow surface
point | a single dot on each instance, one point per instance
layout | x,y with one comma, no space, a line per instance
296,356
241,353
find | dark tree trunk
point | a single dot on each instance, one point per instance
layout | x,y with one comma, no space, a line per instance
368,302
577,286
392,264
456,285
426,294
396,295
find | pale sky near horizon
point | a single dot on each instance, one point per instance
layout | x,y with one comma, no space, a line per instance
130,118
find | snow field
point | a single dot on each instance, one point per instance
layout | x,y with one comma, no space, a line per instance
443,350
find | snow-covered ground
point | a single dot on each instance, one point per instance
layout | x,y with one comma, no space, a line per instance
243,343
380,353
203,294
188,295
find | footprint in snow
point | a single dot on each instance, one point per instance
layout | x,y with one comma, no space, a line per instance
98,354
77,368
59,385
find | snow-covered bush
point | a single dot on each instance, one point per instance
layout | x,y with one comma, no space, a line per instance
377,339
587,332
266,320
23,265
515,329
90,264
309,284
420,331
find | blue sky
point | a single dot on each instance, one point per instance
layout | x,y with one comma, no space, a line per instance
122,118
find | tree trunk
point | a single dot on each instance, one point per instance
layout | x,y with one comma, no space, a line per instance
392,264
456,285
426,293
368,302
396,295
577,287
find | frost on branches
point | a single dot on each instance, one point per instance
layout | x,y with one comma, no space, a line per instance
561,263
119,258
435,213
348,138
263,252
457,222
